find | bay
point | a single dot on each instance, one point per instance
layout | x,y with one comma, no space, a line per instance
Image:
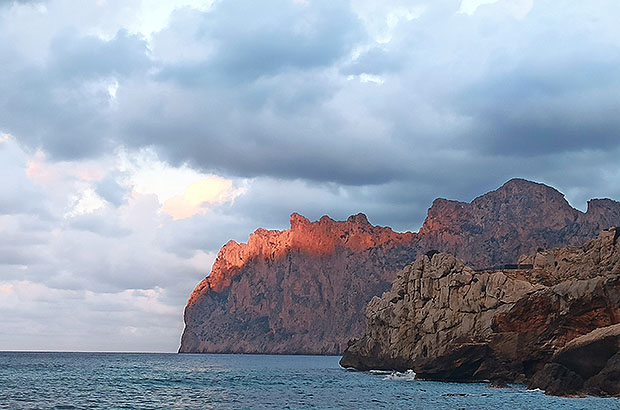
30,380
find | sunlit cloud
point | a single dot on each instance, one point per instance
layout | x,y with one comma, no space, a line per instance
36,169
212,190
147,174
6,289
40,169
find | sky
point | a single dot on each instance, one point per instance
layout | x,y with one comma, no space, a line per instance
137,137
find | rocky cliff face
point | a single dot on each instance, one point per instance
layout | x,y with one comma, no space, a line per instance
516,219
448,322
301,290
304,290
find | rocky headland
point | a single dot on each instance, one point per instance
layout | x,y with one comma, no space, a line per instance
551,322
305,289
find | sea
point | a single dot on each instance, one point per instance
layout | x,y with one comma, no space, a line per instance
204,381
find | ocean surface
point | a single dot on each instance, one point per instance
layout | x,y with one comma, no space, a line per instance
173,381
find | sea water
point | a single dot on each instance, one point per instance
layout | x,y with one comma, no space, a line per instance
193,381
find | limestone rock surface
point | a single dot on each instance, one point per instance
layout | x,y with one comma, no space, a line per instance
304,289
589,364
554,325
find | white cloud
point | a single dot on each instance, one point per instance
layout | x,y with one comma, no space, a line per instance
183,191
84,202
470,6
82,320
154,16
211,190
370,78
517,8
131,260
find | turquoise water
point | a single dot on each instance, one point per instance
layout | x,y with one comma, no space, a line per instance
172,381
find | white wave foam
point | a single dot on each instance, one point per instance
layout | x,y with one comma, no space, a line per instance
409,375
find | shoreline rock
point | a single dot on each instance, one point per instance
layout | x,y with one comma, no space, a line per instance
553,327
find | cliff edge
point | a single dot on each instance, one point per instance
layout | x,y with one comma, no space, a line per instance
304,289
552,324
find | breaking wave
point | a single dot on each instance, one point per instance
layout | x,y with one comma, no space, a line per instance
409,375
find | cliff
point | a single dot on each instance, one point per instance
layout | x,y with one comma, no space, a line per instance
304,290
551,326
516,219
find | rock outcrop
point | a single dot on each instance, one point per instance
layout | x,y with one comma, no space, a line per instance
554,325
589,364
304,290
514,220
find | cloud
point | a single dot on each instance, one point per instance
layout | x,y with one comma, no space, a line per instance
12,2
111,190
345,94
126,118
251,40
17,193
200,194
63,104
84,317
470,6
75,57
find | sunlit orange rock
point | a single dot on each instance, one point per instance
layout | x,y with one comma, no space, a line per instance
304,289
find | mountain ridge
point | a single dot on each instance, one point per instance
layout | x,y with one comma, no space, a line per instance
304,289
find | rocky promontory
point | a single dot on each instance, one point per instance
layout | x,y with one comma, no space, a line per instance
297,291
552,322
304,289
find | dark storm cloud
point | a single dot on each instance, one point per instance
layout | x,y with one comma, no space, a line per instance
64,105
256,104
251,40
249,146
446,89
250,89
560,107
75,57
